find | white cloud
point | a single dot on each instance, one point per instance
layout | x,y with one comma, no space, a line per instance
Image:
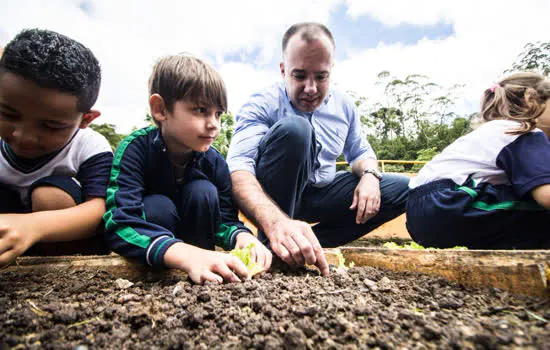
242,80
488,36
128,36
394,12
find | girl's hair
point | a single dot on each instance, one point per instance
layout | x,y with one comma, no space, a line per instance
521,97
185,77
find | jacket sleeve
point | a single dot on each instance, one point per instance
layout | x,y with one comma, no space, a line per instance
230,225
126,227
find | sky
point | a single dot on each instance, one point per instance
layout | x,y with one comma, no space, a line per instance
462,42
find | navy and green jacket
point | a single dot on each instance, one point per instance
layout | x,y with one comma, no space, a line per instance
141,167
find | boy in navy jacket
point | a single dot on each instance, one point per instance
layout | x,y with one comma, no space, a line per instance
169,197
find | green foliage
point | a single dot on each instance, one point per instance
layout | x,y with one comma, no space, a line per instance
535,57
424,155
149,119
416,115
244,255
339,167
108,130
395,168
226,133
415,120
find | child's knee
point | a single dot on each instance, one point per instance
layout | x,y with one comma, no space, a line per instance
161,210
50,198
202,192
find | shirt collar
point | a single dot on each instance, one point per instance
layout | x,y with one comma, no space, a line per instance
160,145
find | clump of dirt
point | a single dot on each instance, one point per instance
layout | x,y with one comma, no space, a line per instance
292,309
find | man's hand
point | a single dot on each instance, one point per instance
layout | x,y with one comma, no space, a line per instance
295,243
366,198
205,265
259,253
17,234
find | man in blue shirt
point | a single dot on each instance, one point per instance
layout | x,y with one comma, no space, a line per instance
283,153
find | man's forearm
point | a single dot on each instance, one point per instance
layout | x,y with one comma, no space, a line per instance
254,202
363,164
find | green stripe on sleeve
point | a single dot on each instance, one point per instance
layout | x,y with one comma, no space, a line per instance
223,235
125,232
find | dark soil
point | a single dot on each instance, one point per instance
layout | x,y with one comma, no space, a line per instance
362,308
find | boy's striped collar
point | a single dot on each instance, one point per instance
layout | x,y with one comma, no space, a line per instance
24,165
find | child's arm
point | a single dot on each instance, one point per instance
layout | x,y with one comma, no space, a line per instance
232,233
542,195
205,265
259,253
127,230
526,162
18,232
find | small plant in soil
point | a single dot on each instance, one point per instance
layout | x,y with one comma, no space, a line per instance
416,246
244,255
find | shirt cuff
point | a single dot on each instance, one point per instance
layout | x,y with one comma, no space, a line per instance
367,155
156,250
242,164
233,239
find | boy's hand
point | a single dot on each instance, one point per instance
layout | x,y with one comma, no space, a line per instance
16,236
259,253
204,265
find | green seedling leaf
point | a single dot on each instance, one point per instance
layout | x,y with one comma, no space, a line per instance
416,246
392,245
342,261
244,255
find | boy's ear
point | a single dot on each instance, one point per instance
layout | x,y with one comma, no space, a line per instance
88,118
158,108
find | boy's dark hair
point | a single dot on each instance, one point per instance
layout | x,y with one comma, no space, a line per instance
184,77
309,31
54,61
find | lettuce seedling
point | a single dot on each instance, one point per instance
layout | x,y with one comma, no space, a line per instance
244,255
416,246
342,261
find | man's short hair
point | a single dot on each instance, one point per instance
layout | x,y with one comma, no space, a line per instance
184,77
54,61
309,31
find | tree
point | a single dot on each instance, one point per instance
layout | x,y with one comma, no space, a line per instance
108,130
535,57
415,115
226,133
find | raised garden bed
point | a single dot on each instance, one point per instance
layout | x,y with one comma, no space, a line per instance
70,303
